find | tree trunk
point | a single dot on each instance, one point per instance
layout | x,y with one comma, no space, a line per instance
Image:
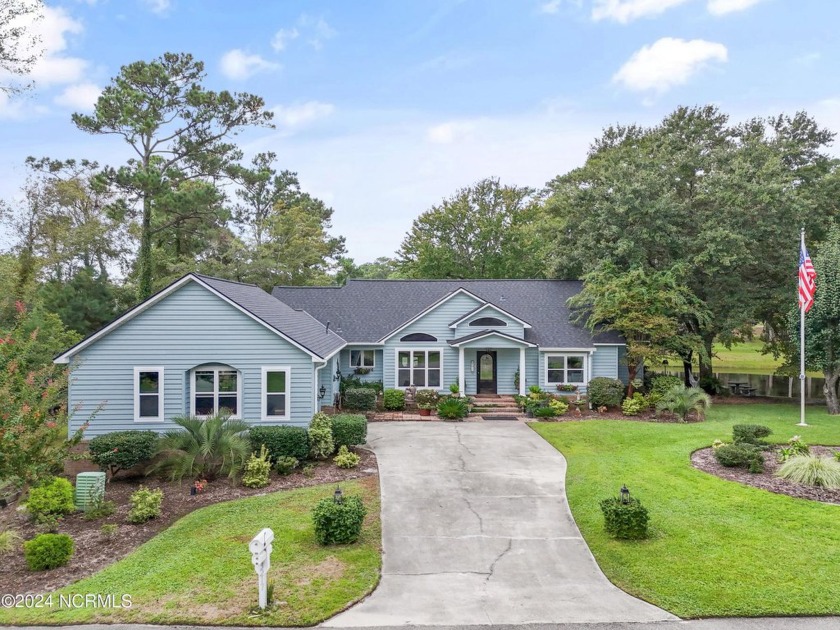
686,361
144,289
830,391
632,369
706,362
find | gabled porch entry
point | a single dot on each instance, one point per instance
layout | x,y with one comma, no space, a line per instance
486,374
486,344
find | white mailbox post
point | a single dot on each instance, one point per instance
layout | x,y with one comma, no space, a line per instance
260,548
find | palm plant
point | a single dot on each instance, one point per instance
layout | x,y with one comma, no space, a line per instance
681,401
204,449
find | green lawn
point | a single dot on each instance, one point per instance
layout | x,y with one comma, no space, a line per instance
199,570
744,357
718,547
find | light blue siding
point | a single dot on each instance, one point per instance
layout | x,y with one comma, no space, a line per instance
513,328
186,329
623,374
374,375
605,362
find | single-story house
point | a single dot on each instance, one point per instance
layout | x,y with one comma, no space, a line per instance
203,344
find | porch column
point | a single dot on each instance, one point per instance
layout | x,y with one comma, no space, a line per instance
461,383
521,371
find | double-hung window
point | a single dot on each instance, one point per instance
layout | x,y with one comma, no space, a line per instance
421,368
148,394
565,369
276,382
362,358
215,390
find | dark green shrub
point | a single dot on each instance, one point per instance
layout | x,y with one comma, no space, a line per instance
354,382
321,443
452,408
662,383
285,465
605,392
393,399
50,500
48,551
545,412
750,433
122,450
145,505
360,399
257,470
348,430
711,385
338,523
740,455
282,441
625,521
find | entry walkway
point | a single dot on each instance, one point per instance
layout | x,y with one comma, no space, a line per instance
477,531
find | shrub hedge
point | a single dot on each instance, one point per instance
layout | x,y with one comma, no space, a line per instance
740,455
122,450
625,521
393,399
338,523
750,433
281,441
48,551
348,429
52,498
360,398
605,392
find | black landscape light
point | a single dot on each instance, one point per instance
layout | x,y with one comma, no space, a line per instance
338,497
625,495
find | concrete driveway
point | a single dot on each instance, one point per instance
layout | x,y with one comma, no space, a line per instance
477,531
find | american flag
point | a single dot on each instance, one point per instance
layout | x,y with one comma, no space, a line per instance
807,275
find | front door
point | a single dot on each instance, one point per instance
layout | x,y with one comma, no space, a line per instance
486,372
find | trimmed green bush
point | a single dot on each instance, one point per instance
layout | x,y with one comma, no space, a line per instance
281,441
257,470
605,392
811,470
338,523
393,399
346,459
321,443
740,455
51,499
122,450
661,384
545,412
348,429
634,406
48,551
625,521
360,398
285,465
452,408
750,433
145,505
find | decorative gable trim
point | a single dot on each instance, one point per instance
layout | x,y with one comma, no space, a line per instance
455,343
443,300
486,305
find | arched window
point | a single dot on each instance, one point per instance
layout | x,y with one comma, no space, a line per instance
418,337
487,321
215,389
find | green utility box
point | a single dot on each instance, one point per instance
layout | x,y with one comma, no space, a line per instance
90,486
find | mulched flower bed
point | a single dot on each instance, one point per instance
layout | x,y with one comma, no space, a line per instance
95,551
704,460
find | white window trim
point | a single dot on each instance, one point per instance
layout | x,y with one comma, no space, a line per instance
566,355
161,388
286,417
362,350
213,367
427,349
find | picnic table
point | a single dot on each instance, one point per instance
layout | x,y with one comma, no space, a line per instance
741,388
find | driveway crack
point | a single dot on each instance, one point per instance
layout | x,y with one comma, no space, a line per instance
476,514
498,558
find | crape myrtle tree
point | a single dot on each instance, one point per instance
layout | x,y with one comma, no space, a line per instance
721,202
178,131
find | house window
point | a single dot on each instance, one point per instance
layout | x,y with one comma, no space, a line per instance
421,368
215,390
565,368
362,358
418,337
276,382
487,321
148,394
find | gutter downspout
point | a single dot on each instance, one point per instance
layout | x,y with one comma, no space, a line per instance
318,368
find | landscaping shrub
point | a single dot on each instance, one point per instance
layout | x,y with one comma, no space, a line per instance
605,392
711,385
204,448
795,446
109,530
9,541
426,398
750,433
321,443
282,441
681,401
545,412
122,450
560,407
451,408
662,383
48,551
740,455
50,500
354,382
360,399
811,470
338,523
346,459
145,505
625,521
257,470
98,508
348,430
634,406
393,399
285,465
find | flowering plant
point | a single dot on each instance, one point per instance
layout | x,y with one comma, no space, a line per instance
199,485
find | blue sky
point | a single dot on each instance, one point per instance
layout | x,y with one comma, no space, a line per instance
386,107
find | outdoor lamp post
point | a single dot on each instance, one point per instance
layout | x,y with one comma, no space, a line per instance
338,497
625,495
337,376
322,392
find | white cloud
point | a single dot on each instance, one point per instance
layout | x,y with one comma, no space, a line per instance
283,37
624,11
238,65
551,7
158,6
724,7
79,97
449,132
297,115
317,29
668,62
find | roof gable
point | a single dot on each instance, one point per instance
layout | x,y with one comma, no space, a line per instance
431,308
482,310
482,334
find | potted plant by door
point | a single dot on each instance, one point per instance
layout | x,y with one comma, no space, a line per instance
426,399
455,390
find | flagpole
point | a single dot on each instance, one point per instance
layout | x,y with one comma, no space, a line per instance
802,422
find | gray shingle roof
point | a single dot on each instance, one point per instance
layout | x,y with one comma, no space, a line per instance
299,326
367,310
